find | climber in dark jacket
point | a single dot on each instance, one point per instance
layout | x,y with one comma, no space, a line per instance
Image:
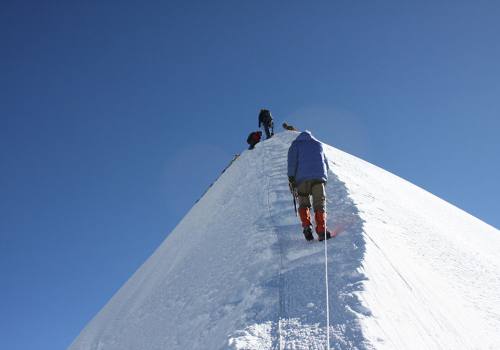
254,138
266,119
308,173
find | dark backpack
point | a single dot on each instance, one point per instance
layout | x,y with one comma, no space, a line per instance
254,137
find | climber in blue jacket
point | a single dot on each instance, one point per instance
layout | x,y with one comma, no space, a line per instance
308,173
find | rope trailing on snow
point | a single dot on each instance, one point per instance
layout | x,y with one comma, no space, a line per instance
326,289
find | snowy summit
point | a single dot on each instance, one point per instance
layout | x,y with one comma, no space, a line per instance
406,270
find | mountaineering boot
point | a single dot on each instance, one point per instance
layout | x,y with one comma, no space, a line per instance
308,233
320,218
321,236
305,218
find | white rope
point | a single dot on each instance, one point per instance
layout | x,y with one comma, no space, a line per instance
326,288
281,343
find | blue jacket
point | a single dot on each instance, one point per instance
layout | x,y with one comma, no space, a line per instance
306,159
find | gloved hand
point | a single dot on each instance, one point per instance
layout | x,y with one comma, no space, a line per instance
291,180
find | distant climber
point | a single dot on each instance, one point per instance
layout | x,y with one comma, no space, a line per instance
266,120
308,173
254,138
289,127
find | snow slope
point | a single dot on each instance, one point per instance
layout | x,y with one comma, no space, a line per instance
407,270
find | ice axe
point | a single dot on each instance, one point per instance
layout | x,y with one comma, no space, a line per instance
293,191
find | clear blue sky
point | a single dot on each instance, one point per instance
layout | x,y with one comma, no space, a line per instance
116,116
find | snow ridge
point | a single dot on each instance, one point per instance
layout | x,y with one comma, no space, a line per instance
406,271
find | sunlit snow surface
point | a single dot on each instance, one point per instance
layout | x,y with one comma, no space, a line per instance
406,271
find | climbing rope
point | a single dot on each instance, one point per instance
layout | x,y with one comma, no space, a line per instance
326,289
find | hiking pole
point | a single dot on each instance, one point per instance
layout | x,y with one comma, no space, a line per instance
294,195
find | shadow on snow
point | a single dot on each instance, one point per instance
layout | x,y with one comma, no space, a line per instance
299,318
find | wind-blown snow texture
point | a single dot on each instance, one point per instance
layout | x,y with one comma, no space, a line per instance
407,270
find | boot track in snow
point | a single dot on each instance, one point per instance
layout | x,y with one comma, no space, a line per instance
302,304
